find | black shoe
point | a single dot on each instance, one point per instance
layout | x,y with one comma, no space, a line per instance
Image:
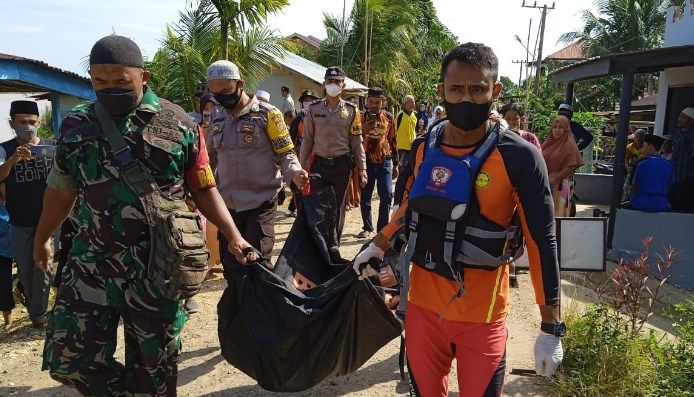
513,282
40,323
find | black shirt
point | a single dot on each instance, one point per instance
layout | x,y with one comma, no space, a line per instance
25,185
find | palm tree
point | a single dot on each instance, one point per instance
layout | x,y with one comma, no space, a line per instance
621,26
237,15
190,45
402,53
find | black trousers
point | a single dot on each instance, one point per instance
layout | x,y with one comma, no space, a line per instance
257,226
6,298
338,177
682,196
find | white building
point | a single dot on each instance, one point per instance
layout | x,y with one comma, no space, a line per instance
676,85
299,74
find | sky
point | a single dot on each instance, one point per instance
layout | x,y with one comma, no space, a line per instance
61,32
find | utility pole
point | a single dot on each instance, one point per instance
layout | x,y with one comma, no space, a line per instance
343,32
544,9
527,53
520,74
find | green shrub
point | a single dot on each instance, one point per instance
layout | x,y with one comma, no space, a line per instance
602,359
606,350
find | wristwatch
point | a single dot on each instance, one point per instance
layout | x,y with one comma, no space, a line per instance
557,329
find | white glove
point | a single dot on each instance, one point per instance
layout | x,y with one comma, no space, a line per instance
361,265
548,354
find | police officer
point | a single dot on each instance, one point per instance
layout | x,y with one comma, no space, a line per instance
252,153
106,279
332,142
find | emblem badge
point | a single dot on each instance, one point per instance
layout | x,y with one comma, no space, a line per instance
248,138
344,113
440,176
483,180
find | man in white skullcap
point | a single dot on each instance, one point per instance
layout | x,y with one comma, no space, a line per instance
251,153
683,162
263,96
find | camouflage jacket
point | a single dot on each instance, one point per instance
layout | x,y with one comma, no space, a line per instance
113,238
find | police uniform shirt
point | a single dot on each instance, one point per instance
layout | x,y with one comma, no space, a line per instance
251,154
333,132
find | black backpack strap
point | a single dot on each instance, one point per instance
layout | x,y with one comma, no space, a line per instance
134,173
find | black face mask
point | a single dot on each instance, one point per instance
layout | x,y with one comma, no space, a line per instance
467,115
228,101
118,101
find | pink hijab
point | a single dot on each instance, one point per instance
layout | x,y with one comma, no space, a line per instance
560,152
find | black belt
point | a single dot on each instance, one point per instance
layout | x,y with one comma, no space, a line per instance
339,161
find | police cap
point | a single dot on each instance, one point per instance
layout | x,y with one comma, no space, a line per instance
335,72
375,92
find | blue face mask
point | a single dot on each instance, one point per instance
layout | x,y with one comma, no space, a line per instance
25,132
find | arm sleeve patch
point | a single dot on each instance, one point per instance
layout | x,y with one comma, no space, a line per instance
355,128
199,175
278,133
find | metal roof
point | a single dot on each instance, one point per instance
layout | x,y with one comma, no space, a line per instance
573,52
311,70
648,61
20,74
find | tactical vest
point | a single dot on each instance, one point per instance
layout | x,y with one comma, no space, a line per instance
442,202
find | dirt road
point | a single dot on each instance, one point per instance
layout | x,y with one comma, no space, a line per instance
203,372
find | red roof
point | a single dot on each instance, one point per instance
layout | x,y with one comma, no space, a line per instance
572,52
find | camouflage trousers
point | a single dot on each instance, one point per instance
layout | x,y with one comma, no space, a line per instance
81,336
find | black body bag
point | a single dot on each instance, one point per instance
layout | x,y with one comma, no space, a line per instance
289,340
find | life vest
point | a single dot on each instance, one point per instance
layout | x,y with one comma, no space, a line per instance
442,202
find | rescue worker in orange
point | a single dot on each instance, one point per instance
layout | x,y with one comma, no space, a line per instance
473,189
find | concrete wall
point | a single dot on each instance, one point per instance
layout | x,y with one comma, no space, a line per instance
678,30
296,83
667,229
593,188
673,77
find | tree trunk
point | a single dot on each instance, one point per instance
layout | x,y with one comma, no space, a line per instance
224,33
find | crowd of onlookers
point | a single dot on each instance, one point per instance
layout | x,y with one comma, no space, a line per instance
660,173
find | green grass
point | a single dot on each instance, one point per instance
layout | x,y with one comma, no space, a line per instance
604,358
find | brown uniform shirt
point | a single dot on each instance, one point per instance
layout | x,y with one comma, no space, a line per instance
332,132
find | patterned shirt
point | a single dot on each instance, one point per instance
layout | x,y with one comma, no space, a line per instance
380,140
113,238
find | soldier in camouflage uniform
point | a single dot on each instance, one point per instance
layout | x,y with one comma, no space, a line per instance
105,278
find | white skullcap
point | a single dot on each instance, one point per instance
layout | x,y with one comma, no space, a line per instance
263,95
407,98
223,70
565,106
689,112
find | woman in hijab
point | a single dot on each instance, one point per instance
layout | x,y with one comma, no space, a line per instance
438,114
562,158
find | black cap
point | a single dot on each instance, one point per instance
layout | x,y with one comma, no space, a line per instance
335,72
116,50
23,107
285,88
375,92
207,97
308,93
654,140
